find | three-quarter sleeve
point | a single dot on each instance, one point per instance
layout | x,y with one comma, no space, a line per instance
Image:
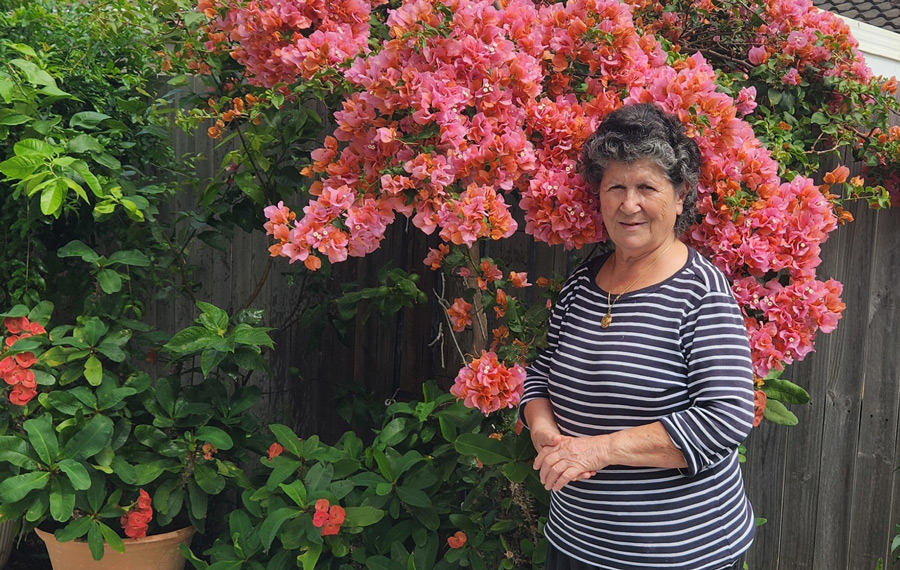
538,372
719,384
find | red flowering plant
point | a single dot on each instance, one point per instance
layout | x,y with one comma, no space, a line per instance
466,118
94,448
431,490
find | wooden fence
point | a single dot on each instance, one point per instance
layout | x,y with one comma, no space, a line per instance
828,487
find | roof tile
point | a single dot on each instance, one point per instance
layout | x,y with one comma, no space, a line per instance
882,13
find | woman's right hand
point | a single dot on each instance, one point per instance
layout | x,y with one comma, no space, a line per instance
542,438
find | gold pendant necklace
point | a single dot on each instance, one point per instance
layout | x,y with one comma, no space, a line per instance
607,318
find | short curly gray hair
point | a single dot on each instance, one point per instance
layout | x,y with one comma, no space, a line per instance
640,131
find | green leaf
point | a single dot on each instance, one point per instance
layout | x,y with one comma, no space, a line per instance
198,499
268,530
489,451
14,450
116,354
112,539
93,371
209,359
22,48
84,143
310,558
249,186
87,119
35,148
362,516
413,497
245,334
14,119
20,167
33,74
62,499
208,480
52,198
287,438
76,248
16,488
319,477
42,438
283,469
226,565
776,412
517,472
131,257
213,318
296,491
81,168
95,540
215,436
75,529
110,281
396,430
819,118
93,330
785,391
91,439
77,474
107,160
191,339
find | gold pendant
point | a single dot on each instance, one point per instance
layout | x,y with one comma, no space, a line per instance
606,320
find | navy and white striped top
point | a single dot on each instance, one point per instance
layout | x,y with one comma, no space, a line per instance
676,352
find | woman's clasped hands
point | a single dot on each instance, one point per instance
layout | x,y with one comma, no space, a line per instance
562,459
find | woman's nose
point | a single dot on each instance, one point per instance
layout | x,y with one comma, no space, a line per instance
631,201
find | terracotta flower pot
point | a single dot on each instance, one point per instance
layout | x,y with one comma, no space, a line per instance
155,552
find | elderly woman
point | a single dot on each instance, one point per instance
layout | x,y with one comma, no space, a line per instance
645,390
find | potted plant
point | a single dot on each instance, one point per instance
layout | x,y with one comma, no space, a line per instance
98,450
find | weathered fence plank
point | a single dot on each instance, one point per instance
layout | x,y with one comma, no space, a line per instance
871,518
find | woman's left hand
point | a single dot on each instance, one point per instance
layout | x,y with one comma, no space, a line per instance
572,459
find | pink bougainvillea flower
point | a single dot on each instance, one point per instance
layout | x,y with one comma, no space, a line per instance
518,280
759,406
435,257
488,384
460,313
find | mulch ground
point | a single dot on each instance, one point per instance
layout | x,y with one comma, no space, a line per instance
29,553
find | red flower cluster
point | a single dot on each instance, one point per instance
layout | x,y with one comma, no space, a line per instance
137,519
457,540
275,450
328,519
14,369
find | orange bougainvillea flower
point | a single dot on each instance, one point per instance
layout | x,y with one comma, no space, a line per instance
457,540
838,175
460,313
759,406
275,450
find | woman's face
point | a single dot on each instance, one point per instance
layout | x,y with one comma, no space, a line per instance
639,206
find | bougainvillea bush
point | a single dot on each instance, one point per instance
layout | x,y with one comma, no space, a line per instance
466,118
